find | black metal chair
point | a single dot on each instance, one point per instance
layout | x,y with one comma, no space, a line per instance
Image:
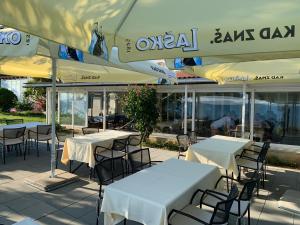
241,204
191,214
42,133
183,144
90,130
118,149
14,121
193,137
140,159
106,175
257,164
134,142
61,137
254,150
13,137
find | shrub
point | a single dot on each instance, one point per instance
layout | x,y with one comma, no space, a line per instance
7,99
24,106
139,105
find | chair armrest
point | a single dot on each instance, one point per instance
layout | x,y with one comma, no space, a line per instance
222,177
186,215
258,146
98,146
31,131
195,194
216,193
248,158
250,150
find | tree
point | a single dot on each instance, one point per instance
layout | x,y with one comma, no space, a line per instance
140,105
36,96
7,99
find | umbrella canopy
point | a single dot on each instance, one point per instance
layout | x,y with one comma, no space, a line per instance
14,43
143,29
71,71
270,71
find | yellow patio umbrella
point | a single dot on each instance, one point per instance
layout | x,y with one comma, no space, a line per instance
269,71
232,30
71,71
44,63
14,43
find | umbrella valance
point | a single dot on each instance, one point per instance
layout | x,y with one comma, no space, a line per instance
269,71
142,29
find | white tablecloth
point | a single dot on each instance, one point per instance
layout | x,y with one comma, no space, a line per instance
218,150
81,148
29,126
149,195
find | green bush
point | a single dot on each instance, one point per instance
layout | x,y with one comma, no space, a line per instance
276,161
139,105
23,106
7,99
168,145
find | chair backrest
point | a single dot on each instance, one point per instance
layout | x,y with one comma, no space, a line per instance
108,169
62,135
89,130
139,159
135,140
222,209
12,133
120,144
14,121
247,191
193,136
183,141
44,129
263,153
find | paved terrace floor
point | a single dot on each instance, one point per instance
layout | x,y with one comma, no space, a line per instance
76,203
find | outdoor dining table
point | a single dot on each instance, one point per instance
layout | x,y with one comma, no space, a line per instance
29,126
148,196
218,150
81,148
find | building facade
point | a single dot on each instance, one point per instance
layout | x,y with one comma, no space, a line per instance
262,112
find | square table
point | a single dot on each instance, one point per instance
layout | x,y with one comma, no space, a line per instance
81,148
29,126
148,196
218,150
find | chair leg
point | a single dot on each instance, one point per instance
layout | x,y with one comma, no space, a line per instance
37,148
98,211
249,218
24,150
3,153
239,220
48,146
56,161
70,166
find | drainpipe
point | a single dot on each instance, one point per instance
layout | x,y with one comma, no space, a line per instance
185,108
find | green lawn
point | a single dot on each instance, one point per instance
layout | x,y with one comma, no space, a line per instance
27,117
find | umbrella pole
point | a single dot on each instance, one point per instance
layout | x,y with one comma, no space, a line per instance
244,109
53,107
